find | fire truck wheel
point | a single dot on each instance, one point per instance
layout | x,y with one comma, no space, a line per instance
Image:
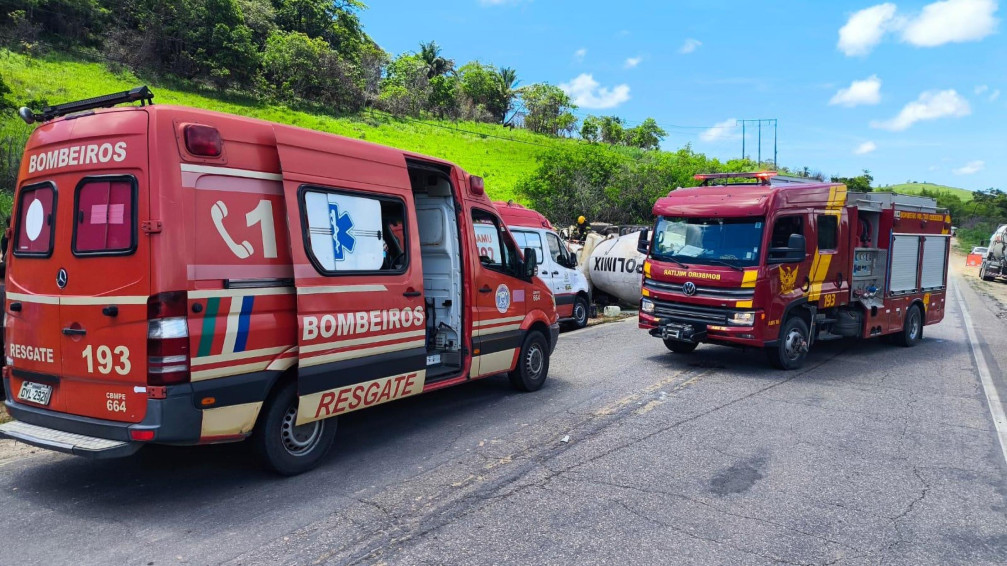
283,447
580,310
680,347
792,348
912,329
533,363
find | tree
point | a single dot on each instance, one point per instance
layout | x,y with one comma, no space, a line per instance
430,53
590,129
299,66
548,110
405,90
612,131
508,91
860,183
647,135
483,85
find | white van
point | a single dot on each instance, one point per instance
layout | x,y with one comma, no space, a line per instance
557,264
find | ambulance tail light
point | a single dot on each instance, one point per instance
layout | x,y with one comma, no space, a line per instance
167,339
203,141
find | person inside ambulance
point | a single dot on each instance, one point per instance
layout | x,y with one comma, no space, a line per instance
394,238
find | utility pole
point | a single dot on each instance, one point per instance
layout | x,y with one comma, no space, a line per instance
758,123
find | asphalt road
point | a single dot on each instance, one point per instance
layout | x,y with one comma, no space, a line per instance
871,454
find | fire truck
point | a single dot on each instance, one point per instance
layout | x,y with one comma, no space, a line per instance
179,276
763,261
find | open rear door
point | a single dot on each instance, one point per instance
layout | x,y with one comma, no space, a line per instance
358,273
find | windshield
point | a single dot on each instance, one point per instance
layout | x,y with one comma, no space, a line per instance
708,241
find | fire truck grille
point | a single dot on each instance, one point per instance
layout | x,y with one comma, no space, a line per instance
691,313
732,293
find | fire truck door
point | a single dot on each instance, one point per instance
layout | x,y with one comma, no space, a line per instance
831,270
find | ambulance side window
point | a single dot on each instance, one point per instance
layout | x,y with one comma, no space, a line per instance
496,251
555,247
525,239
36,221
105,216
354,232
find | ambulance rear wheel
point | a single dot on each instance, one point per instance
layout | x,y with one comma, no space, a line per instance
580,311
912,329
680,347
533,363
284,447
792,348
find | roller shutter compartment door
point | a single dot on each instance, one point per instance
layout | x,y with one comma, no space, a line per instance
934,257
905,260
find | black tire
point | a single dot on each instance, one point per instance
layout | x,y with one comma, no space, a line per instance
982,273
284,448
533,363
580,312
680,347
912,328
792,347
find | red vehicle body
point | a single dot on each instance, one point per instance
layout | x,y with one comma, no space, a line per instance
182,276
779,263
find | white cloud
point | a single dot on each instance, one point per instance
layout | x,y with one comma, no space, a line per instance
689,46
587,93
951,21
633,62
929,106
721,131
994,95
867,91
865,29
865,148
981,89
970,168
580,54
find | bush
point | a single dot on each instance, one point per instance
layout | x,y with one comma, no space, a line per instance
298,66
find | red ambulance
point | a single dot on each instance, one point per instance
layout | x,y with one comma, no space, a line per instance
179,276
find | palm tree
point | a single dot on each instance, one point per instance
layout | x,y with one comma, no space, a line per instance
430,52
508,90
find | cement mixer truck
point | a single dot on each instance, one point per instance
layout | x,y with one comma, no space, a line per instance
994,263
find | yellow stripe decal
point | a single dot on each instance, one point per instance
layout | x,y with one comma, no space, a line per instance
744,304
748,281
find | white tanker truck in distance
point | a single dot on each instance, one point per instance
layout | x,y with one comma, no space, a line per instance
614,266
994,263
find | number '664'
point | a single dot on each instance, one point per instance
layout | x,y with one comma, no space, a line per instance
107,359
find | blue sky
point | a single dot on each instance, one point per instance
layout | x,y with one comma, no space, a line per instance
909,90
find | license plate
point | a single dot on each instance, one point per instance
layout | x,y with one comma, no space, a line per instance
433,360
35,393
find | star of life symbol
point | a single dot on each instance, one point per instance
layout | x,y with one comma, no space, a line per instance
343,239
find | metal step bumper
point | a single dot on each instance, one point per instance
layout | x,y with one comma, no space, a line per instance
71,443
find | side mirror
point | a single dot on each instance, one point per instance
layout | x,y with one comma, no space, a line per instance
643,244
530,265
795,251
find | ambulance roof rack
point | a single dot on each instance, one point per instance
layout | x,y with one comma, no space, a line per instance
140,93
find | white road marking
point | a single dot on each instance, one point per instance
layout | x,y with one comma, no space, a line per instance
992,397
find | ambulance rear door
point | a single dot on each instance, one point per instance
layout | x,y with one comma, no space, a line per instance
358,273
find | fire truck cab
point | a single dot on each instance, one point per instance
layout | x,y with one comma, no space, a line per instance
180,276
777,263
557,265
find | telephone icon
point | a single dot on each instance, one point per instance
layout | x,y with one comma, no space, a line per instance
218,212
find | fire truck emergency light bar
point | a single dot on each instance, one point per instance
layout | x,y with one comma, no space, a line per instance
762,176
140,93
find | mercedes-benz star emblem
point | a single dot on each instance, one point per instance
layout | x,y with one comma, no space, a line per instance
689,288
61,278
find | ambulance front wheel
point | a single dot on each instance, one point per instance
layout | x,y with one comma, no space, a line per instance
580,312
533,363
284,447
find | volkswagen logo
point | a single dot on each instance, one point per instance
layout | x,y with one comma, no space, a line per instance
61,278
689,288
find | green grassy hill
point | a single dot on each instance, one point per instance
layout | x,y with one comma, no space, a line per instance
498,154
916,188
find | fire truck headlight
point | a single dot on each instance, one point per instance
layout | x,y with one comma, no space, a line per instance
647,306
746,318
